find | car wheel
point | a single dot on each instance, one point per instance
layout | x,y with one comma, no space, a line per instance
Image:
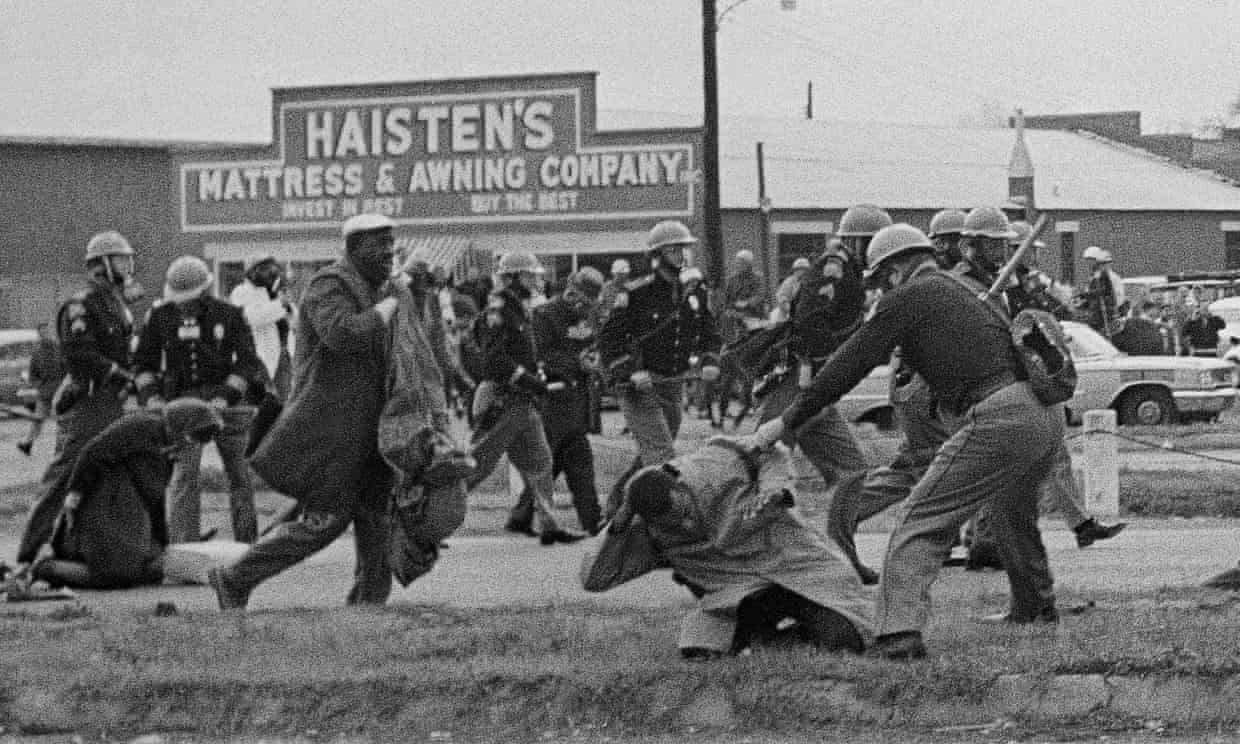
1147,407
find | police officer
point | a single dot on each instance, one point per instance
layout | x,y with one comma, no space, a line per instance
564,334
654,334
194,345
989,241
826,310
506,402
95,326
1002,446
945,227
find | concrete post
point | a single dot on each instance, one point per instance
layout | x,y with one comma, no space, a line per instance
1100,464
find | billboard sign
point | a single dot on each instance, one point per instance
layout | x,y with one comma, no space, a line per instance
511,154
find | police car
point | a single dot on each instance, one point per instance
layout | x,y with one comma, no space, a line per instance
1143,390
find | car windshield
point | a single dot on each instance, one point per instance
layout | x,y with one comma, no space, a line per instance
1084,341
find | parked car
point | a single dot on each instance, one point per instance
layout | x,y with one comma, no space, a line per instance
16,348
1141,389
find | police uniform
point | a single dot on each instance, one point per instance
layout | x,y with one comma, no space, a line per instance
203,349
95,327
827,308
1002,447
657,327
562,338
511,423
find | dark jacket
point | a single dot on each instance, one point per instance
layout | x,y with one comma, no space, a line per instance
94,327
956,344
562,337
506,337
208,353
119,527
659,325
325,444
47,368
828,305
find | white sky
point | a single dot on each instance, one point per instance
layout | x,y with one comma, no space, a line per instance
202,69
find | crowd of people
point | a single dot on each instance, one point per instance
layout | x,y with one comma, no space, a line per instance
342,401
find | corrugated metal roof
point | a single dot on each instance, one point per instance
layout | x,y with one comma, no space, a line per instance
833,164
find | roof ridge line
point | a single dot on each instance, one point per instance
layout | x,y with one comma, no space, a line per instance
1142,152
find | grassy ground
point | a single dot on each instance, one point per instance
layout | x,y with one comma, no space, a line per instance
405,672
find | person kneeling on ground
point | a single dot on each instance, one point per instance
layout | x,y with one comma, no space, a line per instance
111,531
722,519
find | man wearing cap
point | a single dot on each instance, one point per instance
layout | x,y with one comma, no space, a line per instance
94,326
657,332
195,346
945,227
1105,294
564,335
1003,442
323,450
506,416
265,304
428,303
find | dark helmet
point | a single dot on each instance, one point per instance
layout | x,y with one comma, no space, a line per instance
894,240
947,222
862,221
987,222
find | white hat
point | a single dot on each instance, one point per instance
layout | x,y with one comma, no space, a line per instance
365,223
690,274
620,266
800,263
745,255
1097,254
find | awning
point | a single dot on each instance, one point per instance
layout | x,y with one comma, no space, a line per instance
452,253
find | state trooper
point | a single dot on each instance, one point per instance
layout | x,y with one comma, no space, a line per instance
506,402
564,334
984,231
1002,445
196,346
826,310
95,327
944,233
656,332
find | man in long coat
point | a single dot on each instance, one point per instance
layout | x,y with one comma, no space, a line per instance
323,450
720,520
110,532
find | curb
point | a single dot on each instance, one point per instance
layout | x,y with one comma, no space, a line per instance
685,701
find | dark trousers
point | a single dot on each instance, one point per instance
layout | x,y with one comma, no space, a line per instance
292,542
572,456
759,616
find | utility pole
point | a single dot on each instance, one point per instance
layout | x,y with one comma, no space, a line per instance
712,229
769,268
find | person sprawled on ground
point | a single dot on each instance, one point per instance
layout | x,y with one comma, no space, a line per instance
723,518
111,533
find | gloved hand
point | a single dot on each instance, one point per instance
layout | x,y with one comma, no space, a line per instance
218,402
710,373
642,380
769,433
395,283
155,403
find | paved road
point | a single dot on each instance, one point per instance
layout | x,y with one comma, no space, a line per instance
496,571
